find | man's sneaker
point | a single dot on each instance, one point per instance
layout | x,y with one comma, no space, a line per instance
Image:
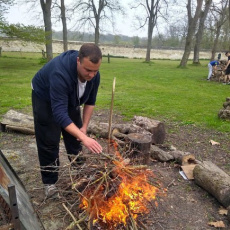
51,191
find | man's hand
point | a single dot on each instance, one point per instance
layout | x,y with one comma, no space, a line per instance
88,142
92,145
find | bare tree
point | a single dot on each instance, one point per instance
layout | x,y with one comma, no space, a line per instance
192,23
60,5
220,15
152,11
46,10
93,14
199,33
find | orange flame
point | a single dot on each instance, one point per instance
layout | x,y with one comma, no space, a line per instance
131,198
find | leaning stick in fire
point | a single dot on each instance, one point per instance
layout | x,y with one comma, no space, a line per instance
75,222
111,113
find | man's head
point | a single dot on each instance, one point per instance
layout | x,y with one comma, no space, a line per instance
90,51
227,53
88,61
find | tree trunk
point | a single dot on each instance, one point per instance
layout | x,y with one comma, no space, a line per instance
149,44
153,11
215,43
97,14
63,18
97,34
188,46
46,9
192,22
199,34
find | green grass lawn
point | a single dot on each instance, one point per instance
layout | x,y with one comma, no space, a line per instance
159,89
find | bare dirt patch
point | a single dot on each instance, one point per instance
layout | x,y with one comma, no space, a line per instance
186,205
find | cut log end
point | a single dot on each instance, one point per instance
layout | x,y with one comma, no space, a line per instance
140,144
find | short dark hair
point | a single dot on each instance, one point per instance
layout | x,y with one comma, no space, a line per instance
226,52
91,51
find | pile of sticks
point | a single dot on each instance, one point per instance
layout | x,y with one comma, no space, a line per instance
82,186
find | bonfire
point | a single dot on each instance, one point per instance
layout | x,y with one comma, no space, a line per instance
110,192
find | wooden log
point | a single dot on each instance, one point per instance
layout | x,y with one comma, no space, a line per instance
183,158
155,127
140,143
16,121
120,138
116,133
24,123
159,154
226,105
214,180
131,128
224,113
101,129
24,130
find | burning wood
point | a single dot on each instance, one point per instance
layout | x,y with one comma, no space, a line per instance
107,192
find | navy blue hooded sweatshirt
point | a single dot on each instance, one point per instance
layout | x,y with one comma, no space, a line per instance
57,83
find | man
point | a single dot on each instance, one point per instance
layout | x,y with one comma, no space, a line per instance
59,88
227,69
212,66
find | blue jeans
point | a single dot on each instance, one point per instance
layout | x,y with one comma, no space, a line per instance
48,133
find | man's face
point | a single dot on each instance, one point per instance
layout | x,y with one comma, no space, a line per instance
87,69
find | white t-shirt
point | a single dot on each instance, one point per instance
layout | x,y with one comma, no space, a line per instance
81,88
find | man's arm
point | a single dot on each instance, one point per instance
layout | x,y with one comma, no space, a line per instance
88,142
87,114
